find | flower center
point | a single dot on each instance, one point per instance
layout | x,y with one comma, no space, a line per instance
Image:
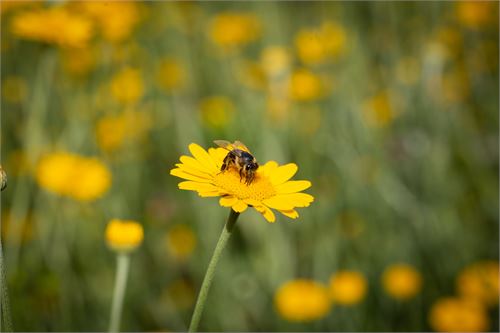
259,189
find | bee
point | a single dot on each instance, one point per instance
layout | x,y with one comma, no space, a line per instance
3,179
239,156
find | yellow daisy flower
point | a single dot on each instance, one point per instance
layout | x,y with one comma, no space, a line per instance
401,281
82,178
455,314
124,235
348,287
480,281
271,187
302,300
55,25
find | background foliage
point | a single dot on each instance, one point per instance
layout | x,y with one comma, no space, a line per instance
389,108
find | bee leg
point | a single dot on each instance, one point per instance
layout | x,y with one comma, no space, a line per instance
249,178
241,174
225,163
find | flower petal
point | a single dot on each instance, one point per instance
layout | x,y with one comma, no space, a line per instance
279,203
203,157
188,176
283,173
293,186
196,172
294,199
267,168
240,206
266,212
206,194
197,186
218,155
252,202
228,201
193,164
290,213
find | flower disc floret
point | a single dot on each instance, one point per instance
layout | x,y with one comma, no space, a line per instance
231,182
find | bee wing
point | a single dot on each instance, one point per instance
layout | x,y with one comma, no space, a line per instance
240,145
224,144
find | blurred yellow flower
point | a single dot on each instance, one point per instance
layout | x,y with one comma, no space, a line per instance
315,46
127,86
335,37
270,188
401,281
93,181
302,300
55,172
7,6
458,315
480,281
54,25
14,89
181,241
113,132
477,14
275,60
124,235
217,111
171,74
232,29
347,287
305,86
79,62
78,177
378,110
116,19
310,46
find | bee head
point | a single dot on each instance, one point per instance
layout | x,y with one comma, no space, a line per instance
251,166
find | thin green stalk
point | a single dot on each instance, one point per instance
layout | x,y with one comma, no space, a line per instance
209,275
34,141
122,267
5,304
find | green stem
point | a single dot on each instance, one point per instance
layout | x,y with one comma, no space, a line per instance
122,263
209,275
5,304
